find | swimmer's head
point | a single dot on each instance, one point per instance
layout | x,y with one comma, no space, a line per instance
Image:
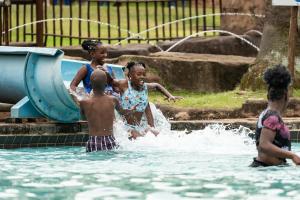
98,80
278,79
96,49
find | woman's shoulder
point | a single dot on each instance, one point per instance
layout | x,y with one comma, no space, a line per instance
272,120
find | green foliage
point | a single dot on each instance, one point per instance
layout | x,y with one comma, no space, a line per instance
223,100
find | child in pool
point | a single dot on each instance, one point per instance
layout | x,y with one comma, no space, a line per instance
134,99
98,52
99,112
272,135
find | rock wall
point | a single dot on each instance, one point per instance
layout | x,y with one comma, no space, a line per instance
196,72
242,24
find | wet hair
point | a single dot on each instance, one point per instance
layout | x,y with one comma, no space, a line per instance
90,45
131,64
278,79
98,80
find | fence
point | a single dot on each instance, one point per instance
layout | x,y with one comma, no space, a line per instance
68,22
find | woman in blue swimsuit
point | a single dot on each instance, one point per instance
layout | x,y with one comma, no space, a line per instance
98,52
272,135
134,98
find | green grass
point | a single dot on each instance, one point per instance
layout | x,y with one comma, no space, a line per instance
223,100
74,31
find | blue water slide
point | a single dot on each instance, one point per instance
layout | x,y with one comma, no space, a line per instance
37,79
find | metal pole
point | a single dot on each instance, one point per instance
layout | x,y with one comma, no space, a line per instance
39,26
6,22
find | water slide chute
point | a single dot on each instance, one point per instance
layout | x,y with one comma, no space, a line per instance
36,81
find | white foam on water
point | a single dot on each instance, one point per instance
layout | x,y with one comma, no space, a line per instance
214,139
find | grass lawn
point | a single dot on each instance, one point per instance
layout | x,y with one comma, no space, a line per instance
71,28
225,100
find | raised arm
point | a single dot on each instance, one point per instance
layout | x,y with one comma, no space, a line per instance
266,146
82,72
163,90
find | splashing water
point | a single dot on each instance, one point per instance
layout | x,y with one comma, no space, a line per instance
211,31
214,139
134,35
189,18
139,35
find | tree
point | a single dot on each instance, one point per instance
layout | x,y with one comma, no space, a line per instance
273,47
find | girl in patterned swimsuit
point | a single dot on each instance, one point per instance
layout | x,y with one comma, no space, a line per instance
272,135
134,98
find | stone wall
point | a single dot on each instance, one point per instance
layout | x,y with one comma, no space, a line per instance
196,72
242,24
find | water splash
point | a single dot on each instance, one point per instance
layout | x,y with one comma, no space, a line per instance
71,19
211,31
194,17
214,139
134,35
256,31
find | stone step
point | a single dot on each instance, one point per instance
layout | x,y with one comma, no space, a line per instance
75,134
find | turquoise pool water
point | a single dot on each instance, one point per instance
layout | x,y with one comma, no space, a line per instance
208,164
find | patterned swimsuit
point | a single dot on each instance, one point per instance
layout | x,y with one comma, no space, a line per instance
271,120
101,143
133,99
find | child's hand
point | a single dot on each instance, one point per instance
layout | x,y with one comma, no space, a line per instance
152,130
173,98
102,68
134,134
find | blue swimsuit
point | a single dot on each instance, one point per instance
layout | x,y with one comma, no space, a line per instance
87,81
133,99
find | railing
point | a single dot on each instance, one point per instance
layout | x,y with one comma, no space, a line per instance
68,22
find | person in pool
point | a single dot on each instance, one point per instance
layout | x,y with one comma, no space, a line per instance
134,99
99,107
272,135
98,53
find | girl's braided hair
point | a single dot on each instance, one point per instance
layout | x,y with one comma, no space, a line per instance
90,45
131,64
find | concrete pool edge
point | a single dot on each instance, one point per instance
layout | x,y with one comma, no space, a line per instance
43,134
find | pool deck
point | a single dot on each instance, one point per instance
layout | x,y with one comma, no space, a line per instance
40,134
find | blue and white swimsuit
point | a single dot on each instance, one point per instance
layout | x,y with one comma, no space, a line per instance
133,99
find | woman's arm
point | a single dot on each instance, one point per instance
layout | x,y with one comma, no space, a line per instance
163,90
82,72
266,146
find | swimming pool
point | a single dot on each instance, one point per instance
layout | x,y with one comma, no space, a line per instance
207,164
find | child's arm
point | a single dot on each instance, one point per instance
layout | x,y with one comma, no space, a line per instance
118,107
76,100
163,90
74,97
78,77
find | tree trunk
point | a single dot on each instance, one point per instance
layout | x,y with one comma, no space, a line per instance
273,47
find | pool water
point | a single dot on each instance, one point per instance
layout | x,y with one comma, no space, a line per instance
207,164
